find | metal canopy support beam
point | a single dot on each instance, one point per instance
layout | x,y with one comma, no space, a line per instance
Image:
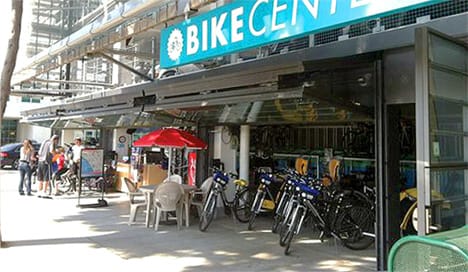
38,93
141,55
125,66
111,106
249,95
75,82
47,92
262,74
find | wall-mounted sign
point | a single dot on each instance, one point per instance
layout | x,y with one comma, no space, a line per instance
246,24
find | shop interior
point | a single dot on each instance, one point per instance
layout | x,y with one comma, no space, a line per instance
333,118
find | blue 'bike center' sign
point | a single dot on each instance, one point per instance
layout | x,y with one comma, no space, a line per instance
246,24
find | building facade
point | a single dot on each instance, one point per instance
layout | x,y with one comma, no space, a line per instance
384,89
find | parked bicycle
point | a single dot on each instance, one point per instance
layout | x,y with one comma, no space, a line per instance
64,181
335,213
101,183
265,197
240,205
360,187
409,210
283,200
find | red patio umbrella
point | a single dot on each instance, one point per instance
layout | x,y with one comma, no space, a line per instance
170,137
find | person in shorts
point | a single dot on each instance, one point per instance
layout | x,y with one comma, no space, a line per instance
46,153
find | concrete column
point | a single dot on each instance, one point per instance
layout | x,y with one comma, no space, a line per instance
227,155
244,152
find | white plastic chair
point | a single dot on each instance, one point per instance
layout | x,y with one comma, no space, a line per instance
168,196
198,196
135,199
174,178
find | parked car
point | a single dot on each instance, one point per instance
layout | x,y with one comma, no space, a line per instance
9,154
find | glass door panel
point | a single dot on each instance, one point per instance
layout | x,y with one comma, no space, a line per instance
448,198
442,109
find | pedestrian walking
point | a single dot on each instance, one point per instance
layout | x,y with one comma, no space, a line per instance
25,161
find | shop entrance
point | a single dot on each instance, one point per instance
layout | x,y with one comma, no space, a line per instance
334,120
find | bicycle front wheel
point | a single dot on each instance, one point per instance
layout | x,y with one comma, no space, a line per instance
256,206
292,230
242,205
208,211
276,223
355,227
279,212
286,226
63,185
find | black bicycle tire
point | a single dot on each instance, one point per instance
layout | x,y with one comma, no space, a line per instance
364,221
276,223
256,207
292,231
252,221
208,214
362,198
287,242
245,210
279,208
282,235
69,185
63,185
285,227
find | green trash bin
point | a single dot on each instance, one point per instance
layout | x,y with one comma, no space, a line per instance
443,251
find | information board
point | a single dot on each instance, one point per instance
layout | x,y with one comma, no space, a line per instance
92,163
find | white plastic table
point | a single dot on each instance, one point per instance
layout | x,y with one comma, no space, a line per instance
149,192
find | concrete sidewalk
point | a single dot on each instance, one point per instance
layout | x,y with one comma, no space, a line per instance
55,235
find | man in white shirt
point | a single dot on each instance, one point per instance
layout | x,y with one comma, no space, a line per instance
45,154
76,149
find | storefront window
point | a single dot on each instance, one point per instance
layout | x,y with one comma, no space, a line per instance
92,137
29,99
9,128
